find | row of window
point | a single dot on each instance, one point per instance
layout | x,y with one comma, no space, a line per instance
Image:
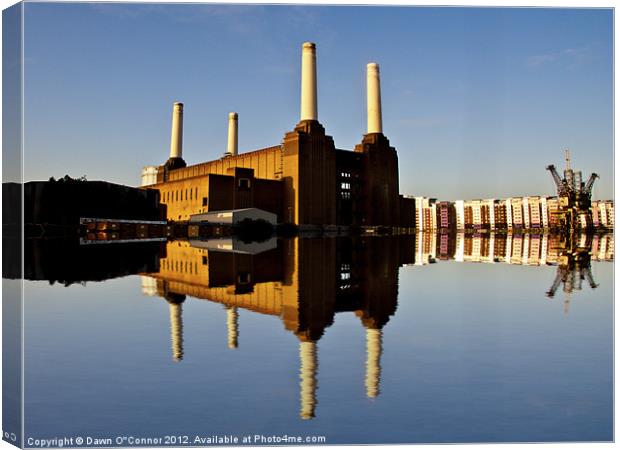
175,196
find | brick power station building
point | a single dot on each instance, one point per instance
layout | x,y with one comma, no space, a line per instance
304,181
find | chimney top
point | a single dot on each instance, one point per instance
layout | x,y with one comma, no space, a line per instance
309,45
233,115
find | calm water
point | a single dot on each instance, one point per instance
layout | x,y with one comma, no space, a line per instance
374,340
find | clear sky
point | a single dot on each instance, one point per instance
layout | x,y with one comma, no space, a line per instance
476,101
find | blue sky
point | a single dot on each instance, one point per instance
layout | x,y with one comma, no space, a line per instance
476,101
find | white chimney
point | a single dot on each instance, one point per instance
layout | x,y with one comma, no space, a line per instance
308,82
373,99
233,134
176,140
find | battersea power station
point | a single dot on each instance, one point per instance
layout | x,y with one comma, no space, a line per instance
305,180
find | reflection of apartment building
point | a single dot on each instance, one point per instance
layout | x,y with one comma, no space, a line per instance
499,247
534,250
516,254
425,248
446,246
603,247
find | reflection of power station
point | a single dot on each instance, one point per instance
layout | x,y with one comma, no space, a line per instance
574,195
304,282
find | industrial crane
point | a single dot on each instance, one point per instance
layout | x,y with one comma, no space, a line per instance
573,194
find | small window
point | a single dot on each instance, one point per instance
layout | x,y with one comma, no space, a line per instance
244,183
205,201
205,261
244,278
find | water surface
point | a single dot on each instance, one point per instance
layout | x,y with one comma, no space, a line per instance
412,339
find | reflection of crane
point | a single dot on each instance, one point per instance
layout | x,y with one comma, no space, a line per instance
574,196
573,268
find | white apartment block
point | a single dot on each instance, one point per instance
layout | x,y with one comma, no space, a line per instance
425,213
459,206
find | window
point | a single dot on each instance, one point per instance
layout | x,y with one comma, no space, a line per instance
244,278
345,185
244,183
345,195
204,260
205,201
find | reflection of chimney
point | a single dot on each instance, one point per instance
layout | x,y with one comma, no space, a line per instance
309,365
373,361
232,317
176,330
233,134
176,140
308,82
373,99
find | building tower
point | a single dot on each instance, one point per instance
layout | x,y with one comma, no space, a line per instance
233,135
176,139
309,110
308,158
380,166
